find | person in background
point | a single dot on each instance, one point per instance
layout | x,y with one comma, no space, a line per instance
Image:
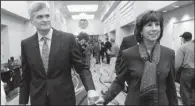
102,51
88,52
47,58
184,62
148,68
107,47
113,53
83,38
97,48
185,37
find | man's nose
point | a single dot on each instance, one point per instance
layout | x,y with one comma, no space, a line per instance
44,19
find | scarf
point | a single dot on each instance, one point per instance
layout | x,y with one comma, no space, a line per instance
148,87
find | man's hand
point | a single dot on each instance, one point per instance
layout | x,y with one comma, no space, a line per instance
92,96
100,101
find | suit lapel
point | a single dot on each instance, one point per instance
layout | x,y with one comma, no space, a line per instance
55,48
36,54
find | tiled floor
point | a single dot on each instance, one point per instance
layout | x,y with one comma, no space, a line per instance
99,72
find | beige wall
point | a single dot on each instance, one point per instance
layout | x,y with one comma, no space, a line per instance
17,7
15,28
95,27
4,44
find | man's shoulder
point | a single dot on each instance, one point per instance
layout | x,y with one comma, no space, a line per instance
131,50
131,37
130,40
29,39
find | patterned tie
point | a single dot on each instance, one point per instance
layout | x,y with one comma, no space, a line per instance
45,53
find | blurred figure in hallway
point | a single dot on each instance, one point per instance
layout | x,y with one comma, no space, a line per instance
184,62
88,52
97,48
102,52
83,39
107,48
113,53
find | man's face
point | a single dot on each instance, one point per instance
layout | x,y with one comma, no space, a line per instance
82,41
183,41
41,19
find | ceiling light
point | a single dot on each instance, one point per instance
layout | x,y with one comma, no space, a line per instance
176,6
82,8
164,11
82,16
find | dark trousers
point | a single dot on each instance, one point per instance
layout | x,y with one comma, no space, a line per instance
107,58
102,56
186,90
97,57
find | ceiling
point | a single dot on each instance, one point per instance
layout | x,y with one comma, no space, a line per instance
102,5
64,10
178,3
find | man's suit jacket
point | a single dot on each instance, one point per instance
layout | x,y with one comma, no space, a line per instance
130,70
127,42
107,45
56,85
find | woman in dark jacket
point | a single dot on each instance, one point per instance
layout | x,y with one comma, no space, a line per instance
148,67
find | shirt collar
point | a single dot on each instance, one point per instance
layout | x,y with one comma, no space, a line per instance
48,36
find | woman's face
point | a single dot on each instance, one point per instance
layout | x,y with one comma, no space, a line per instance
151,31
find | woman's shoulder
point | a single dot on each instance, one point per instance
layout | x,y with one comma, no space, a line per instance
167,51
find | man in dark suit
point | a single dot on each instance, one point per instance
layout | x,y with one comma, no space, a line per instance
127,42
107,46
47,58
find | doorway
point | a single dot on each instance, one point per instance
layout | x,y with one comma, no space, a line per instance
4,44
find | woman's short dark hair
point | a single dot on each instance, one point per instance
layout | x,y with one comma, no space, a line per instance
84,36
143,19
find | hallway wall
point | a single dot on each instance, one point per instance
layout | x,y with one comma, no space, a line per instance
15,27
177,15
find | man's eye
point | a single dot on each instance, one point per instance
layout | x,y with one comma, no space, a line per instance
47,16
40,16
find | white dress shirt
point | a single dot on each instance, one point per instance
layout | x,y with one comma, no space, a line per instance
48,36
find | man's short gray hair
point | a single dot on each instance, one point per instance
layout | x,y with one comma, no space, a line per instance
36,6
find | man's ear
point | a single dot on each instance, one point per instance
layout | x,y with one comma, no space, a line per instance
31,21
